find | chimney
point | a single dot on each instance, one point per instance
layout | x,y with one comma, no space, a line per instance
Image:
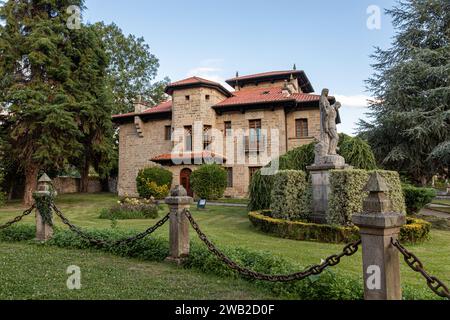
139,106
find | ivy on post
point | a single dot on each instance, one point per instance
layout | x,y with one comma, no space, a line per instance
178,202
44,218
378,226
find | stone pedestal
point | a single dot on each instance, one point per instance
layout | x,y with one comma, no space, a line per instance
320,179
179,224
44,231
380,258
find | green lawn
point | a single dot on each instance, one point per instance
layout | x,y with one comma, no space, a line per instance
230,227
104,276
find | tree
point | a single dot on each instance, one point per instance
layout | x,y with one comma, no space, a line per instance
89,86
410,127
357,152
34,80
131,70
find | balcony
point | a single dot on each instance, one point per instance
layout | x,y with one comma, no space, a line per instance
254,144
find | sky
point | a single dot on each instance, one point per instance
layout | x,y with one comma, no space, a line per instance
330,40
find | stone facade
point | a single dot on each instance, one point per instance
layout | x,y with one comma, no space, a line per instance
143,134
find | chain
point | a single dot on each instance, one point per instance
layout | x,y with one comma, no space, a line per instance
331,261
99,242
436,285
18,218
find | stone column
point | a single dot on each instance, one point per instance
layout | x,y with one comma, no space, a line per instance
44,230
179,224
378,225
321,189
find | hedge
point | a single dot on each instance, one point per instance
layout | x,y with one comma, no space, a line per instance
417,198
209,181
287,195
347,193
415,231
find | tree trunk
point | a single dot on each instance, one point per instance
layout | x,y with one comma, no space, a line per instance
84,183
31,172
424,181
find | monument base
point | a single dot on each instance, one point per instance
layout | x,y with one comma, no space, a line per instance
321,189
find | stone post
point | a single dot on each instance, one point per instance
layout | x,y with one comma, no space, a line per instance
378,225
44,230
179,224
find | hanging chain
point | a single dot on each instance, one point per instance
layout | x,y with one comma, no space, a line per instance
436,285
331,261
99,242
18,218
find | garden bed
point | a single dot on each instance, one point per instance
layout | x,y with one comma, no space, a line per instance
415,231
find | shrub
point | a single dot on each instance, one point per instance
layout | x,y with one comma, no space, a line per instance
298,230
260,188
154,182
287,194
128,212
347,193
357,153
209,181
417,198
415,231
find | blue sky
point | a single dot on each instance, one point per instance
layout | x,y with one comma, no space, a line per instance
327,39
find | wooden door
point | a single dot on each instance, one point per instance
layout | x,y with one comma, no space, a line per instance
185,181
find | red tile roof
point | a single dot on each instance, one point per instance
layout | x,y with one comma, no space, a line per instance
266,95
265,74
196,81
185,156
160,108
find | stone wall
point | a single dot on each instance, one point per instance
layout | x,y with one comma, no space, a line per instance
68,185
136,151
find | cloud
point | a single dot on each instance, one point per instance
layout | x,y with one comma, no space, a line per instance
355,101
210,69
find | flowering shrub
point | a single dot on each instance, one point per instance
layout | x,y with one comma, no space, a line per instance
154,182
131,208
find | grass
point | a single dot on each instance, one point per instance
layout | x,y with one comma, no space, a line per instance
229,226
104,276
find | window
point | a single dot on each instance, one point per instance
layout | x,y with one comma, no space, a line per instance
168,133
207,97
227,128
252,171
188,98
254,139
188,138
207,138
229,177
301,128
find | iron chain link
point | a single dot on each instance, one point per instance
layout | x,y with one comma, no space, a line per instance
18,218
331,261
99,242
436,285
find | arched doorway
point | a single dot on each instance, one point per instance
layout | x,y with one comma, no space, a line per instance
185,181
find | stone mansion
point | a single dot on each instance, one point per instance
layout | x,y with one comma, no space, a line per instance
281,101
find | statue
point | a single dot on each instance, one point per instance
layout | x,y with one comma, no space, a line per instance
326,149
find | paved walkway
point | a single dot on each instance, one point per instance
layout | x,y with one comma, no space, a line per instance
434,213
219,204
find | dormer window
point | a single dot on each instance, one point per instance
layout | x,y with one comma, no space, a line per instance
266,92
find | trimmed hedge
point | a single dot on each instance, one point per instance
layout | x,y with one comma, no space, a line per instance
297,230
417,198
209,181
415,231
287,194
348,195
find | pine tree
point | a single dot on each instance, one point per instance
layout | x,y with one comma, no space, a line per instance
410,131
54,87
